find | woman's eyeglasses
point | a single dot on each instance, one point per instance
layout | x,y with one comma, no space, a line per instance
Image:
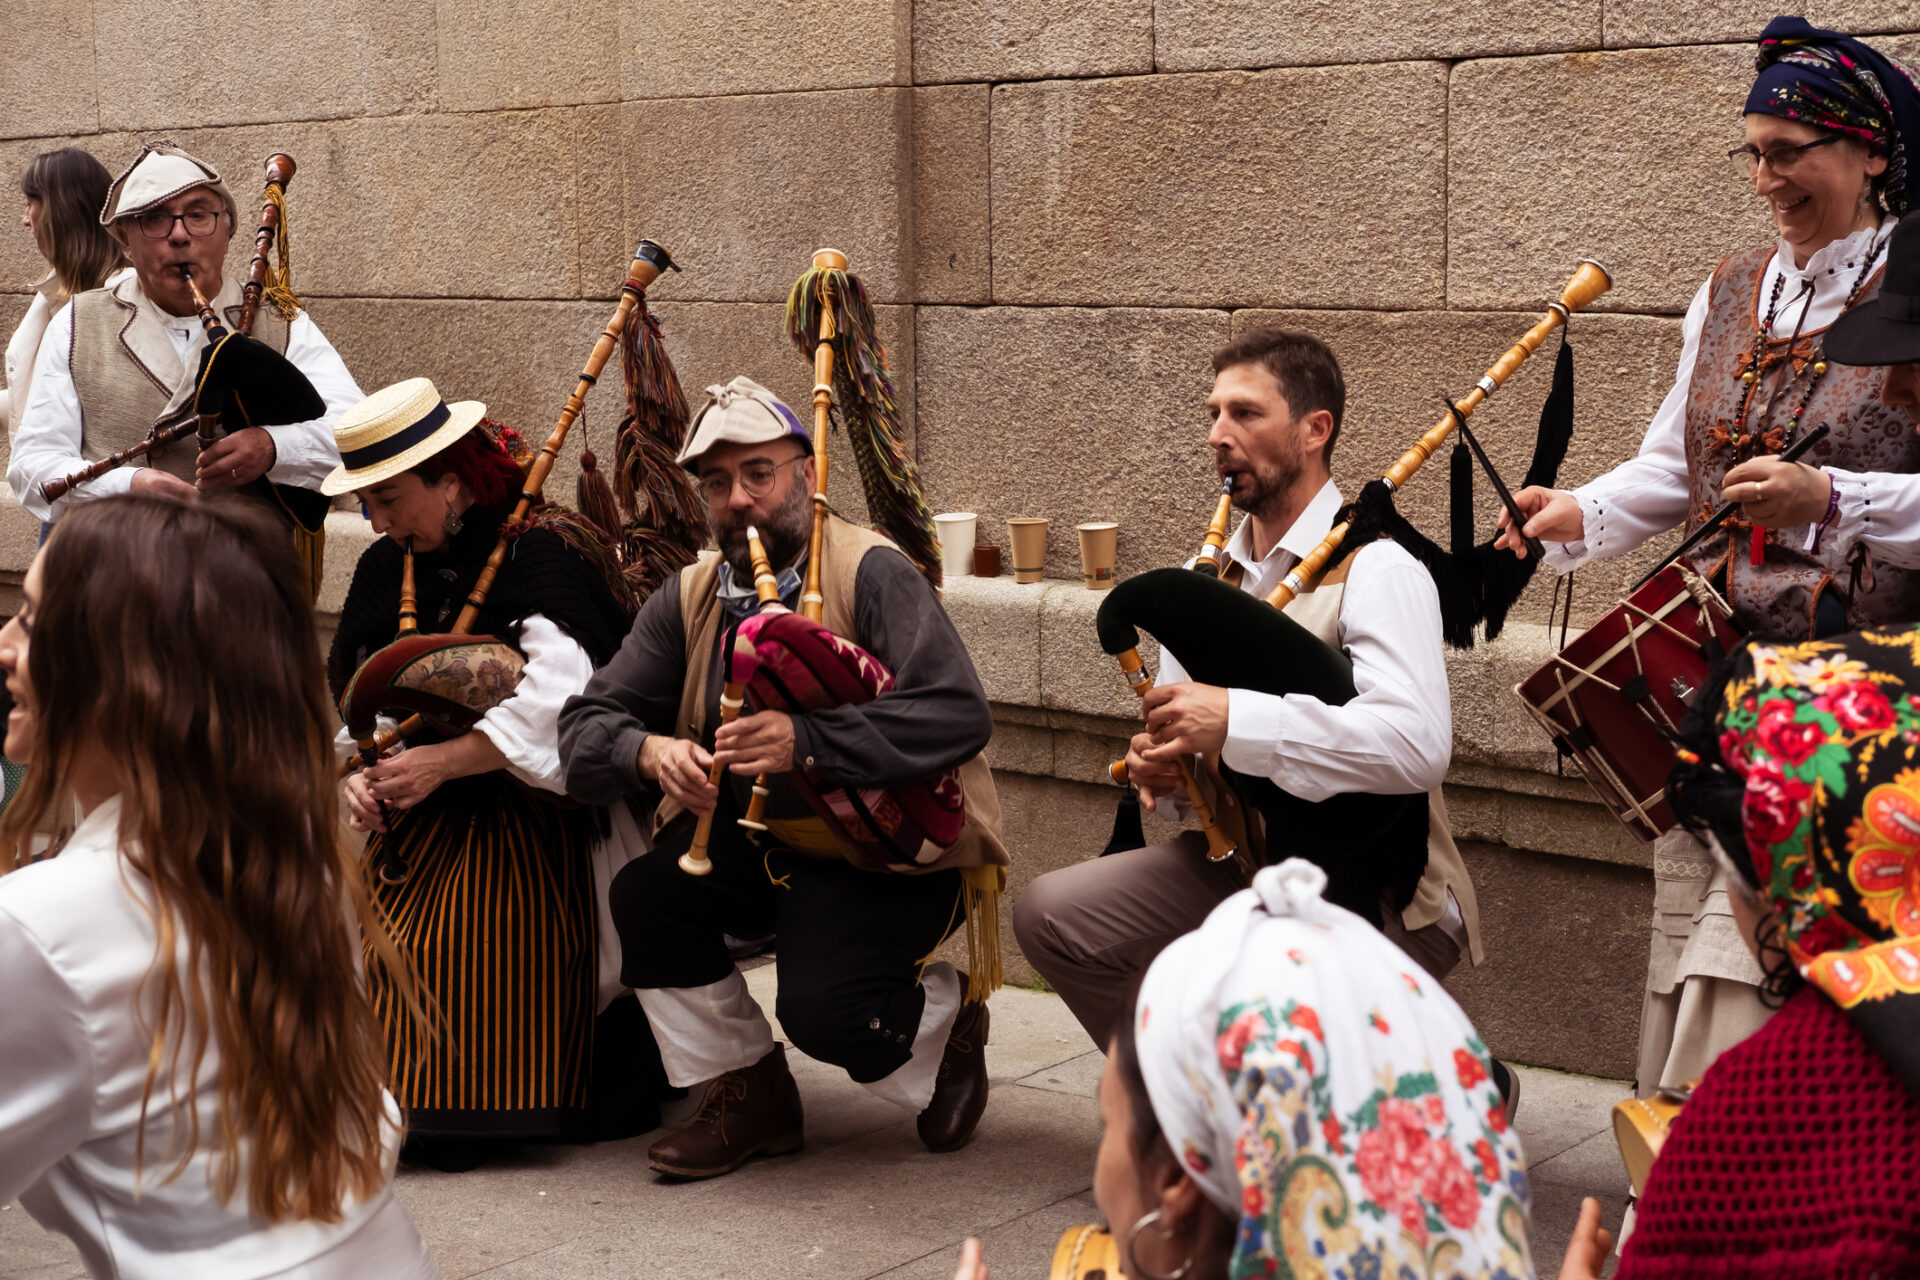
1782,160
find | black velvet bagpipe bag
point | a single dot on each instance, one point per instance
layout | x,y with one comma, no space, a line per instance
1223,636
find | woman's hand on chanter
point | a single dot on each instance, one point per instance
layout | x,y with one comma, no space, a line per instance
1587,1251
1778,495
363,811
971,1267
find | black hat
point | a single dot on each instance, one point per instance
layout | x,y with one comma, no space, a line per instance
1887,329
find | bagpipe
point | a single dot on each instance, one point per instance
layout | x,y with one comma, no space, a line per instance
1223,636
448,681
780,660
241,382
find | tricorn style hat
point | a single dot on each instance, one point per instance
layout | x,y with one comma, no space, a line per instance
394,429
159,173
1887,329
742,412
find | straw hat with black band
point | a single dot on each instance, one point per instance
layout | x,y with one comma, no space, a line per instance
395,429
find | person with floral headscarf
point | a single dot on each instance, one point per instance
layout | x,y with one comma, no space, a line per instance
1293,1095
1799,1152
1819,546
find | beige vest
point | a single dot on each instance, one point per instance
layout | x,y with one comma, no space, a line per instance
128,376
1318,610
843,547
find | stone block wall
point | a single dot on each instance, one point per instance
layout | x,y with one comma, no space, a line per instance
1062,208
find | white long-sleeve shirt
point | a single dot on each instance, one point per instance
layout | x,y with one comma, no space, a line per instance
1647,494
1395,736
47,437
76,942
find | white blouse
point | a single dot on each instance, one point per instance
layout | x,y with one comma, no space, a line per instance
1647,495
75,943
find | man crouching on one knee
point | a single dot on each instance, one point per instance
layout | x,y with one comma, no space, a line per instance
854,988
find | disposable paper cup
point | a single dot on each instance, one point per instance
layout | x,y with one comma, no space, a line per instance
1029,548
956,542
1098,543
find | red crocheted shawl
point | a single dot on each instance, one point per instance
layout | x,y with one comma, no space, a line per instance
1797,1157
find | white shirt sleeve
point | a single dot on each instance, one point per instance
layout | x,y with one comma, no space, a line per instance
46,440
46,1064
1647,494
1395,737
526,727
304,452
1881,509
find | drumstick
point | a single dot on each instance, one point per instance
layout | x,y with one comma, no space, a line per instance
1789,454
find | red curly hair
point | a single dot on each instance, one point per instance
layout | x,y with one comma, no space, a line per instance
481,462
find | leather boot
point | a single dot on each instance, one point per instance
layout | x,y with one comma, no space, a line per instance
746,1113
960,1090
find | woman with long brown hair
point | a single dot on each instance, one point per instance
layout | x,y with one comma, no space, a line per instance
191,1079
64,190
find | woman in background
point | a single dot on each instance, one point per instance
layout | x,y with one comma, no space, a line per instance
65,191
191,1076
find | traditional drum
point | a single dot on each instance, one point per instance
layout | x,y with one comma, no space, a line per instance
1086,1253
1640,1127
1610,698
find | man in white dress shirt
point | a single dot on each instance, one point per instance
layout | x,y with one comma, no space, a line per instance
118,362
1092,929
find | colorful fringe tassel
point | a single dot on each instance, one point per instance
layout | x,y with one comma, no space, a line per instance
863,392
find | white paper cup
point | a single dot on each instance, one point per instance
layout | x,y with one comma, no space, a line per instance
956,531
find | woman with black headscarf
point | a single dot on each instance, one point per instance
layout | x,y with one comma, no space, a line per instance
1819,546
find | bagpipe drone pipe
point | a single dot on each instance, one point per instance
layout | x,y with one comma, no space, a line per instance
1225,637
447,681
792,661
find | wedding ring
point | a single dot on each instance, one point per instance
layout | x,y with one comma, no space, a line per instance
236,475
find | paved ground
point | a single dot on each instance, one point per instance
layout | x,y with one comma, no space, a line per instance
865,1199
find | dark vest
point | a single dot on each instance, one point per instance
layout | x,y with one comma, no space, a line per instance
1778,597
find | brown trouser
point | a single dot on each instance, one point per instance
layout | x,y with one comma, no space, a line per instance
1092,929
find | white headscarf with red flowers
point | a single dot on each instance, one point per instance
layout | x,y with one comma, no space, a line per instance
1320,1086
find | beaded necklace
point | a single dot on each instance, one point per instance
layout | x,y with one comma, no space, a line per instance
1750,378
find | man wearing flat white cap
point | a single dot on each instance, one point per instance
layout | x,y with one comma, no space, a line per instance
118,361
852,939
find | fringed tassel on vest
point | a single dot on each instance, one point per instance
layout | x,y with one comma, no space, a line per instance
981,896
310,549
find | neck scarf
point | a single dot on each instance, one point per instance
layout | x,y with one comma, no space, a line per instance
1827,738
1832,81
1324,1090
742,599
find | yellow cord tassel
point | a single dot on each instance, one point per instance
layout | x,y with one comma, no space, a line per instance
982,895
279,283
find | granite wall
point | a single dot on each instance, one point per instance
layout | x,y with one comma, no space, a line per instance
1062,208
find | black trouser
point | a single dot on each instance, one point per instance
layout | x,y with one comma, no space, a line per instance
848,942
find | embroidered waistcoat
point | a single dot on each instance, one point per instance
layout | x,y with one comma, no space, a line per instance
1779,596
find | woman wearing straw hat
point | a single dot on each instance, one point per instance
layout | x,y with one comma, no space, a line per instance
487,878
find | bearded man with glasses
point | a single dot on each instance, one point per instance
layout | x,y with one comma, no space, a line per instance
855,988
117,362
1820,546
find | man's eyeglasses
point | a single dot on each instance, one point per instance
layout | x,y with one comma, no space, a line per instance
157,224
1782,160
756,478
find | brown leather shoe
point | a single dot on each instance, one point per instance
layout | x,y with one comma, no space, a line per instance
751,1112
960,1090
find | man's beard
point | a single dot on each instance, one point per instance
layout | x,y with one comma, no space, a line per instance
1266,491
784,533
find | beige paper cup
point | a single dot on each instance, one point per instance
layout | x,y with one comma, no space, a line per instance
1099,542
956,529
1029,536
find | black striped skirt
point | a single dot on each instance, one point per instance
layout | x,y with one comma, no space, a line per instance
487,891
